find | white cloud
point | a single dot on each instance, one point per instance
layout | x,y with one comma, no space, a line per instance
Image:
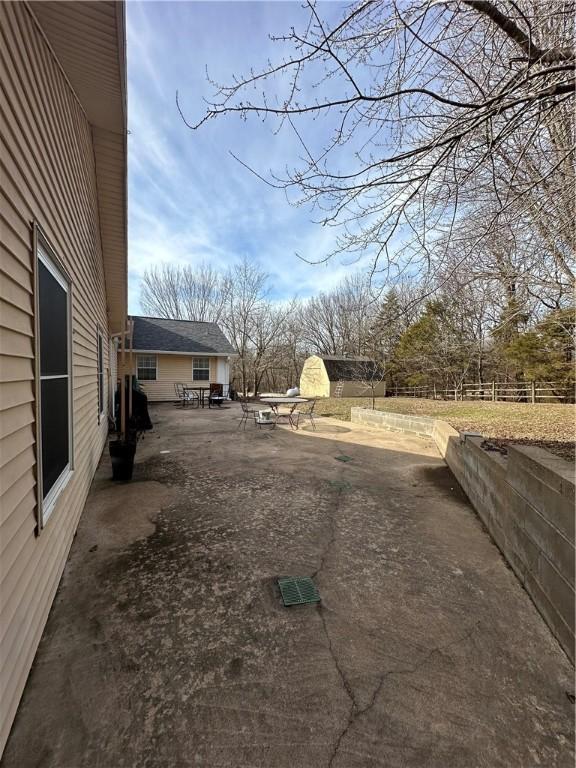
190,201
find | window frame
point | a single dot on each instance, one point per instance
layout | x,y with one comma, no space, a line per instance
44,253
202,368
146,367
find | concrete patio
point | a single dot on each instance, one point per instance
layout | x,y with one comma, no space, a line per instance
168,644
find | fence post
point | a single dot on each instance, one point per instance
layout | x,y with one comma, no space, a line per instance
533,391
493,391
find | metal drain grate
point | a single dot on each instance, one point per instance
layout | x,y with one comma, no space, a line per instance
340,485
297,591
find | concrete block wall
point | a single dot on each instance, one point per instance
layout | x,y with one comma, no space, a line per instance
525,500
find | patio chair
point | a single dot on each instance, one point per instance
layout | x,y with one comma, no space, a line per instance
215,395
248,412
179,390
286,413
186,396
306,411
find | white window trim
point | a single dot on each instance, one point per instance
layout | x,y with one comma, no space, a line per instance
46,504
138,356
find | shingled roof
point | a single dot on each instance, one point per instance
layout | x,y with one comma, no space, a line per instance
350,368
156,334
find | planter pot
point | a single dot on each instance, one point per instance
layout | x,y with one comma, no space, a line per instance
122,455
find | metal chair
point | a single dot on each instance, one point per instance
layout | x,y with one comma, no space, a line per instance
247,413
179,390
288,415
306,410
192,397
215,395
186,396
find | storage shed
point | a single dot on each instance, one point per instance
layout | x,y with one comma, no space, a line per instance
340,376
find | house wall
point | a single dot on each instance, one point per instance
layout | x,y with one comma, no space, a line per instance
173,369
48,175
314,381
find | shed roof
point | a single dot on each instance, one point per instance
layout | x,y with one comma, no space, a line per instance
341,368
157,334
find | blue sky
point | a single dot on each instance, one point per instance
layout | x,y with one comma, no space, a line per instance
189,200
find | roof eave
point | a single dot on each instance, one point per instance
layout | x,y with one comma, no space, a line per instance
104,105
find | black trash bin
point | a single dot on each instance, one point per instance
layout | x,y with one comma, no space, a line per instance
122,454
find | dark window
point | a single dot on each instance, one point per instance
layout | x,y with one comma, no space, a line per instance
146,367
53,324
54,372
201,369
100,374
55,435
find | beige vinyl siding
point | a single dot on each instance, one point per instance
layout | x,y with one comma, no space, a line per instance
88,39
47,172
169,370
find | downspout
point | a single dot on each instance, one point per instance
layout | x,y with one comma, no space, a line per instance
116,339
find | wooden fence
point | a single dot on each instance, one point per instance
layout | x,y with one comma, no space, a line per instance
493,391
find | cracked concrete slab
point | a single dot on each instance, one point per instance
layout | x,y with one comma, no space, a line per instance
168,644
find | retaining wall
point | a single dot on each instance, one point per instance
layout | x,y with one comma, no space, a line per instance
525,500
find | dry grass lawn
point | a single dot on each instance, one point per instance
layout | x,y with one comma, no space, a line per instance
550,426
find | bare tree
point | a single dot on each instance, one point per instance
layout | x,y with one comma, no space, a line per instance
266,339
372,374
430,109
293,350
183,292
337,321
484,325
160,292
319,324
203,294
245,289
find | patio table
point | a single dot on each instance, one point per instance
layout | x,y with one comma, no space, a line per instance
274,402
201,393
